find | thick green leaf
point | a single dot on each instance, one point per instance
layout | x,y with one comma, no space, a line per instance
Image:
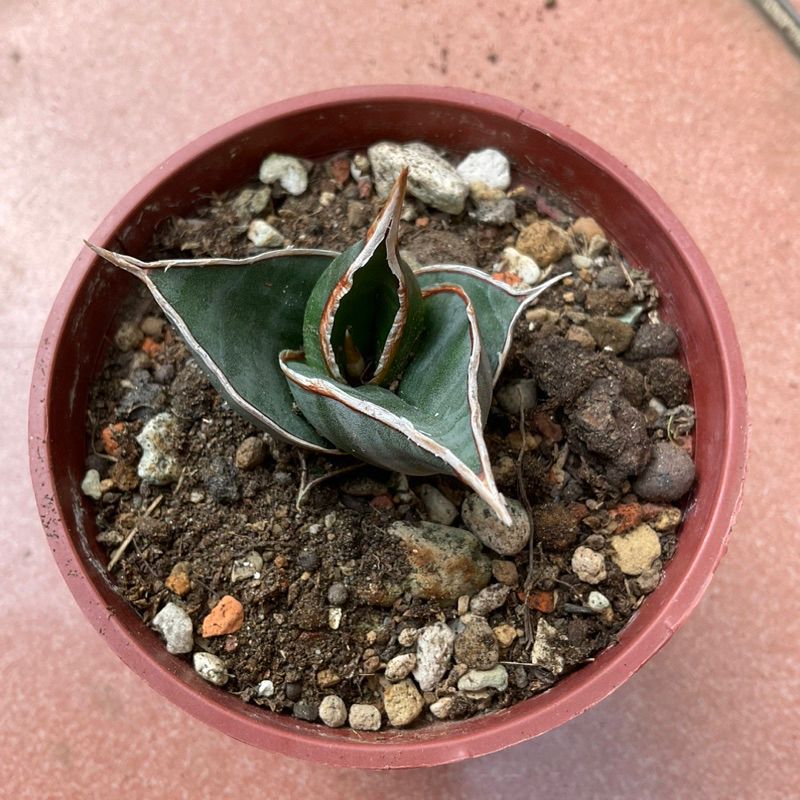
434,422
237,315
365,314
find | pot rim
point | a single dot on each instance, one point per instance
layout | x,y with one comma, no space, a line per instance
500,729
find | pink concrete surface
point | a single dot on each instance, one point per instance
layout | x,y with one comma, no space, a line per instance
700,99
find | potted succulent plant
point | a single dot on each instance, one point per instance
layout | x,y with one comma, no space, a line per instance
365,383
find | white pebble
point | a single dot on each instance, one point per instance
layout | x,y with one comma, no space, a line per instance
175,625
290,172
211,668
487,166
90,485
407,637
326,198
598,601
434,651
547,646
159,441
265,689
589,565
364,717
524,267
262,234
333,711
441,708
334,618
400,666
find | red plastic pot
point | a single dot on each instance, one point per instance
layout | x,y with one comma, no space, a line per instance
319,125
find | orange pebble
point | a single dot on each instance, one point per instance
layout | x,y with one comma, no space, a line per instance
628,516
539,601
507,277
109,436
151,346
227,616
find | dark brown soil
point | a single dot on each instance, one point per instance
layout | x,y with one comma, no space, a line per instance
593,423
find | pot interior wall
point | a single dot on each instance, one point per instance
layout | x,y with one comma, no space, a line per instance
318,132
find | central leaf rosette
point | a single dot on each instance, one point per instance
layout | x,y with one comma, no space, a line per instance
393,366
392,373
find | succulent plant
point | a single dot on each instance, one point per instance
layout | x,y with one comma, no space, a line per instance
351,352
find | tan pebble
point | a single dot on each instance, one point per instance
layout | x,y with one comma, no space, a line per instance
667,520
227,616
544,242
402,703
586,227
327,678
178,580
505,635
635,552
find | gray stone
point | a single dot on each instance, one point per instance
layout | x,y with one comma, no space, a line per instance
403,703
517,397
476,645
489,599
430,177
290,172
337,594
305,711
364,717
491,206
159,440
589,565
611,277
222,483
250,202
332,711
445,562
211,668
175,625
668,476
440,509
434,651
478,679
90,485
653,341
488,166
507,540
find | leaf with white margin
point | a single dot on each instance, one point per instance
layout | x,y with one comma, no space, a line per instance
498,306
236,316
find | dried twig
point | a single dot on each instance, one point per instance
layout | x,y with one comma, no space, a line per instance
306,487
523,494
120,551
